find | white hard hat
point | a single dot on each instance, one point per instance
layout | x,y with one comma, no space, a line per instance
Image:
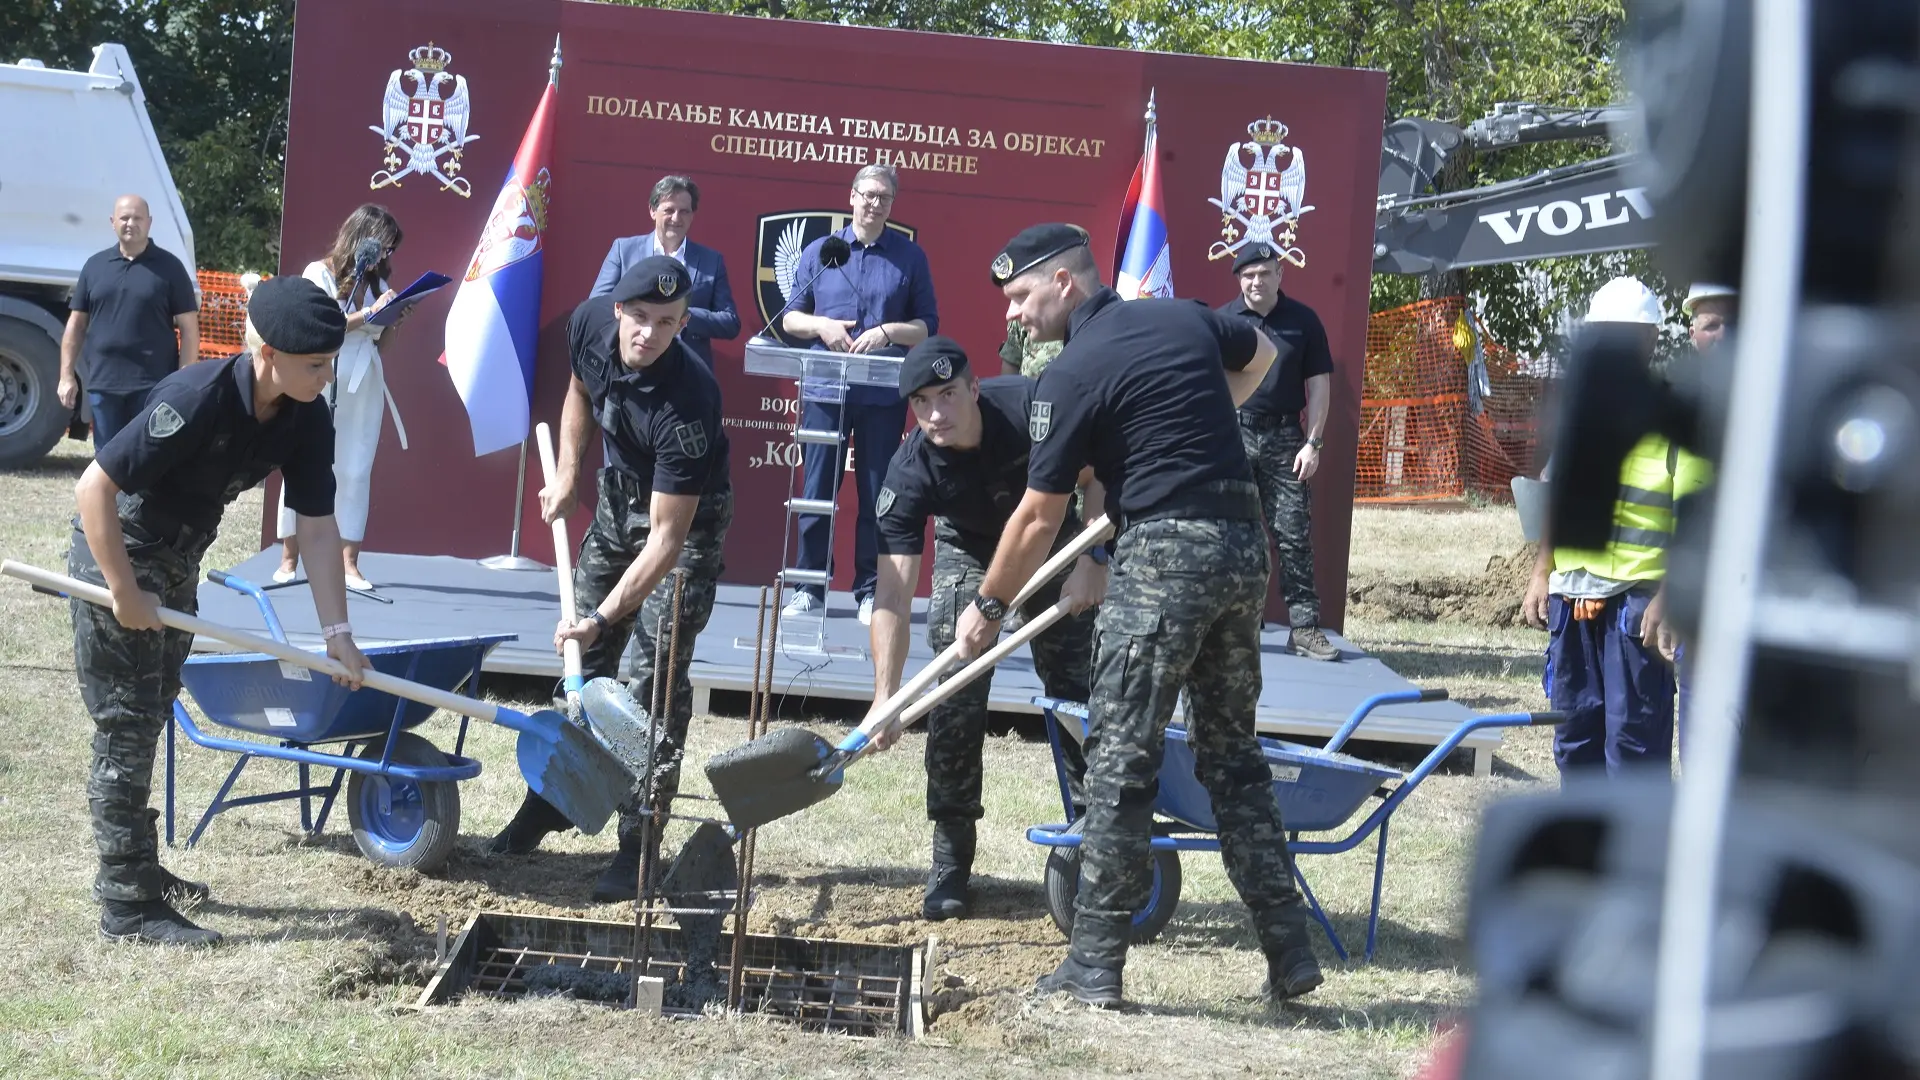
1625,300
1702,290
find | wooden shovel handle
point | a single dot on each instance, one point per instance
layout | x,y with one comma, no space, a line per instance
325,665
562,559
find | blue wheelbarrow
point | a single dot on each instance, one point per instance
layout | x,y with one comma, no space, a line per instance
1319,789
403,801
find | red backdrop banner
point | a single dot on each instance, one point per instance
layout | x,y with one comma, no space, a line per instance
772,117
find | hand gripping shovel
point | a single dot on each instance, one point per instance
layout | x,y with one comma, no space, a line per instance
561,763
789,770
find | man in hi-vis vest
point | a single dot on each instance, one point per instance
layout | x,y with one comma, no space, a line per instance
1603,663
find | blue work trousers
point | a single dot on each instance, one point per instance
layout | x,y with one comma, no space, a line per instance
112,411
1616,688
875,432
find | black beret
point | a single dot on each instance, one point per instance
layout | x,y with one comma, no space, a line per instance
1254,253
930,363
296,316
1033,246
655,279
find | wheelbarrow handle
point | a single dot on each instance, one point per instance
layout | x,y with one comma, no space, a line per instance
1548,719
1391,697
326,665
242,585
890,712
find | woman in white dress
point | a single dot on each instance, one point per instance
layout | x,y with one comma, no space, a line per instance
359,393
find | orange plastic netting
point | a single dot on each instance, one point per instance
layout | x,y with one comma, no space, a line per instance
1425,432
223,314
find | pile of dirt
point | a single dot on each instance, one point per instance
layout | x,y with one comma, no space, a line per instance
379,950
1488,599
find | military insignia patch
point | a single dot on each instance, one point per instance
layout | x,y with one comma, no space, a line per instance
1040,420
943,369
668,284
1002,268
884,503
164,420
693,439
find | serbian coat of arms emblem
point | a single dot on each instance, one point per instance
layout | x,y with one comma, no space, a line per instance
782,239
425,130
1261,200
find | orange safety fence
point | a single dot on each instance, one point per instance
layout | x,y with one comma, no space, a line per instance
1423,434
223,315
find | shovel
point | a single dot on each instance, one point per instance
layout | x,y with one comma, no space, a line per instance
791,769
574,683
562,763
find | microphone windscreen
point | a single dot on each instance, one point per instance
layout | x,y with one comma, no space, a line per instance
834,251
366,255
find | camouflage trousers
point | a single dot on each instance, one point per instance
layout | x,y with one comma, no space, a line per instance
957,727
1182,610
1271,446
619,532
128,680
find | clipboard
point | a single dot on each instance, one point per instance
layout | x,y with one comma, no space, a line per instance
423,286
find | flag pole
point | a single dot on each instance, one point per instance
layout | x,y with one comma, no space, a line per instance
513,560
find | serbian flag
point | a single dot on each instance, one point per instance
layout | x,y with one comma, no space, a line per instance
495,316
1146,260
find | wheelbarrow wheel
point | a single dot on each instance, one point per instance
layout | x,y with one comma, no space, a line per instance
1063,886
404,823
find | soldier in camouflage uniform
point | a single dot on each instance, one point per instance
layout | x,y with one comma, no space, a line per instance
149,506
1139,392
1023,354
1285,456
666,501
965,467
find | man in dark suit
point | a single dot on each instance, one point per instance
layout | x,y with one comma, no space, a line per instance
710,310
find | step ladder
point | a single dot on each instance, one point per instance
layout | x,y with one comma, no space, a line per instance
822,377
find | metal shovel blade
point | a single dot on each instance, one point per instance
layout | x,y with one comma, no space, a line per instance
621,725
565,766
769,778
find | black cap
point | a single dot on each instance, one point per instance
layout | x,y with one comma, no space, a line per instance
296,316
656,279
1254,253
930,363
1033,246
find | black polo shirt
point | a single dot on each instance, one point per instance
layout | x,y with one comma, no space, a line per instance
1140,392
197,445
970,494
130,305
1283,393
663,423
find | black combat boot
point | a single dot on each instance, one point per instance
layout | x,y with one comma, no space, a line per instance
1291,968
953,844
1312,643
152,922
620,881
1089,984
174,889
531,823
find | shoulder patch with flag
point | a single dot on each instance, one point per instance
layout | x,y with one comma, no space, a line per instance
1039,420
164,420
692,438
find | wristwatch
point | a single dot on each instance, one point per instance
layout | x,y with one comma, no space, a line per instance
1316,442
1099,554
994,610
599,620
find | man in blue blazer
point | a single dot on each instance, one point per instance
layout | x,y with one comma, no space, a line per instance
710,310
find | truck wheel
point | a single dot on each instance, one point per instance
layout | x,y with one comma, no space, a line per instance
31,416
401,823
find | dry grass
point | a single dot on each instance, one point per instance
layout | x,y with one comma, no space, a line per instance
324,948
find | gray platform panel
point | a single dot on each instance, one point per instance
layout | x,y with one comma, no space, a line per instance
441,596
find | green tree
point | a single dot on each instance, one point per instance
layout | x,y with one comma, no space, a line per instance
216,74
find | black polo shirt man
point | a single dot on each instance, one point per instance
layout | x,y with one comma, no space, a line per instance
665,503
964,466
1145,391
119,339
1283,455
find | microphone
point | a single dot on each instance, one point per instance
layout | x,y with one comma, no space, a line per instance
366,256
834,253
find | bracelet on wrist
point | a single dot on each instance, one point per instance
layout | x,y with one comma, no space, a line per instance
334,630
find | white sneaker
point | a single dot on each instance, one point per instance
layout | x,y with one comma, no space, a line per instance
281,575
866,612
803,603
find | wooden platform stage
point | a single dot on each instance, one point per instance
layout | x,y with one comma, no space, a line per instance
448,597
